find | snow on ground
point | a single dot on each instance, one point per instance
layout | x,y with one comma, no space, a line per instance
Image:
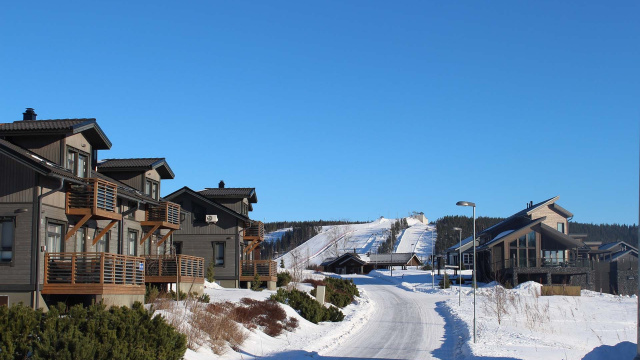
363,238
276,235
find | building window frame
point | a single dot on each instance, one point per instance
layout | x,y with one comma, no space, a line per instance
4,246
152,188
104,241
72,161
560,227
63,231
219,247
131,232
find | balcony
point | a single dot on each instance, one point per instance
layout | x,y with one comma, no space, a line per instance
93,274
542,264
266,270
97,198
255,232
174,268
166,216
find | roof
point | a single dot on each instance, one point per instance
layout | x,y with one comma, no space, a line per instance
562,238
619,254
510,234
611,245
528,211
395,258
464,246
186,190
158,164
88,127
233,193
342,259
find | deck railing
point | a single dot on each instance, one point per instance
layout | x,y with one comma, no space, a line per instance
93,268
167,212
540,262
169,266
256,230
95,196
265,269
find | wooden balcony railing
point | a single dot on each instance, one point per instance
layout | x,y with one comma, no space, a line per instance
541,263
266,270
255,231
167,215
93,273
172,268
97,198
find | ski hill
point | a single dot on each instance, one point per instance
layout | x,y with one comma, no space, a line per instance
362,238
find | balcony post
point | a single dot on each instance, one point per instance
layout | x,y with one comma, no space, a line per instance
102,258
73,268
46,269
95,195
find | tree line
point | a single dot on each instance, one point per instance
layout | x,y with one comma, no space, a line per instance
606,233
389,244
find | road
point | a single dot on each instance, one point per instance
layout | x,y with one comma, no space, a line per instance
404,325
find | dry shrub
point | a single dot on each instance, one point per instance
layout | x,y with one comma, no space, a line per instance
314,282
267,314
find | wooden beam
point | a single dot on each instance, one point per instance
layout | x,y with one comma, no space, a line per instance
147,235
104,231
166,237
254,244
77,226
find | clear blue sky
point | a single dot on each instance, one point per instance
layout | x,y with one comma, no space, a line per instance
349,109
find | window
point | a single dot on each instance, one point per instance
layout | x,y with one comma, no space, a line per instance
219,254
199,213
54,237
522,251
561,227
6,240
103,244
133,242
245,209
151,188
467,258
81,240
146,248
77,162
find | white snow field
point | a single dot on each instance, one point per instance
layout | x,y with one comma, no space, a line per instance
363,238
404,317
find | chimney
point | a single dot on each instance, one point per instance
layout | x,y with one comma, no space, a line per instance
29,115
221,184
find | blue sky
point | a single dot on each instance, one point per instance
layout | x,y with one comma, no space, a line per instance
350,109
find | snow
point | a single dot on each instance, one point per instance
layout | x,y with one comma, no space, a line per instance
276,235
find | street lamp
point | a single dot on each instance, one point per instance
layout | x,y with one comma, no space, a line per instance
433,274
459,230
473,285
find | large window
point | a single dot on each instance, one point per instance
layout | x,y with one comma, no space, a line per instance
561,227
54,237
133,242
219,254
6,240
151,188
199,213
523,250
146,248
81,240
77,162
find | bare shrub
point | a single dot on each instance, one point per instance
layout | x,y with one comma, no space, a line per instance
297,265
498,301
267,314
536,314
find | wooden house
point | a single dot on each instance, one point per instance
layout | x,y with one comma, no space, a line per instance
68,232
534,244
216,226
352,263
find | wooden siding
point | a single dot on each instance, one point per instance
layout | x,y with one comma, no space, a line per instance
553,218
48,147
130,178
203,246
79,142
19,273
226,224
17,181
233,204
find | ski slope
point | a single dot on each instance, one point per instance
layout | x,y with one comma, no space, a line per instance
363,239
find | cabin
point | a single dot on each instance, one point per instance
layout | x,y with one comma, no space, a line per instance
616,265
462,249
217,227
352,263
534,244
348,263
69,232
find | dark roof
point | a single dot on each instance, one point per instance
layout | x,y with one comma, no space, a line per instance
395,258
188,191
144,164
617,255
510,234
527,211
88,127
610,245
342,258
562,238
466,243
233,193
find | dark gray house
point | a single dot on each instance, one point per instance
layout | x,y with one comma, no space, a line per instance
217,227
461,248
68,232
352,263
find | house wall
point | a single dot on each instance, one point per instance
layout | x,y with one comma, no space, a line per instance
553,218
17,181
79,142
233,204
17,275
130,178
49,147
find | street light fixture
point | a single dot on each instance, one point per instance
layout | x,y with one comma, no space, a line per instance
473,285
459,230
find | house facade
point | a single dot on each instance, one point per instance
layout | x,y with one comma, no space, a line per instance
70,231
534,244
217,227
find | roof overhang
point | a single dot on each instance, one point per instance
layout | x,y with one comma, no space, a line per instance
556,235
187,191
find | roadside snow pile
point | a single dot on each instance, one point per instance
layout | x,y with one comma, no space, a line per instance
519,323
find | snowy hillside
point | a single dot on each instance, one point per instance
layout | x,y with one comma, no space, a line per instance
363,238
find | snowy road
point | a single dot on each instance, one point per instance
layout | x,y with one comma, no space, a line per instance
404,325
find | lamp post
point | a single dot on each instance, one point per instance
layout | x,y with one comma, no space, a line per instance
473,284
433,274
459,230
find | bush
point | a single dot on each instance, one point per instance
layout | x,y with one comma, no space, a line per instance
445,283
339,292
256,283
172,294
211,272
284,278
282,263
267,314
427,267
87,333
204,298
151,294
307,306
460,280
